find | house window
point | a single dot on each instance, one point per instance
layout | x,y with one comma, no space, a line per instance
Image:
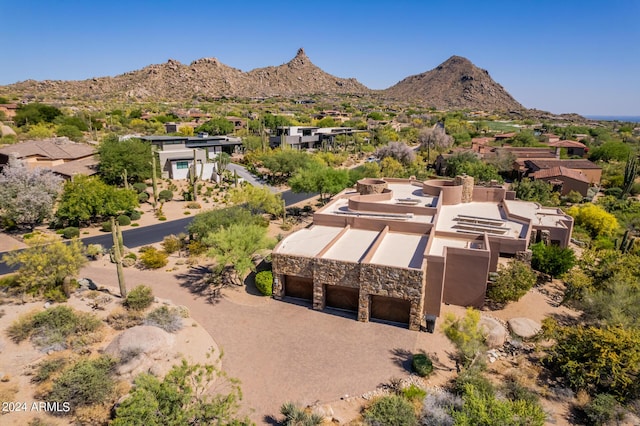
182,165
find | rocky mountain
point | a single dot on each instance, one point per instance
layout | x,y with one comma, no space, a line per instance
455,84
204,78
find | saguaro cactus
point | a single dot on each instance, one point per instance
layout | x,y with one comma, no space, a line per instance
116,235
154,182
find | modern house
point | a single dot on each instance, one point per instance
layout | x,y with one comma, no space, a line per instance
396,249
592,171
303,137
176,153
60,155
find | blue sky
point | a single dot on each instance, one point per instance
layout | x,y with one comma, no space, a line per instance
559,56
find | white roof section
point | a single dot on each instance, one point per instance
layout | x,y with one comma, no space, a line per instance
406,191
439,243
401,250
308,241
341,206
477,218
352,245
545,216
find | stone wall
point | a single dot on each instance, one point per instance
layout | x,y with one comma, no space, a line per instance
371,186
467,187
336,272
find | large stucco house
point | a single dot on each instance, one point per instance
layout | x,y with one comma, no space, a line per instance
397,249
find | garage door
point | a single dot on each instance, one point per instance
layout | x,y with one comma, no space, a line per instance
390,309
342,297
299,287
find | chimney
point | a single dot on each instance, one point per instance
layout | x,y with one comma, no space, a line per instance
467,187
557,152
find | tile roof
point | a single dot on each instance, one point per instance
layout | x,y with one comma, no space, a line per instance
543,163
561,171
54,149
567,144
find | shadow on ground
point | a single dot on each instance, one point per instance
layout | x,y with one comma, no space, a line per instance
196,280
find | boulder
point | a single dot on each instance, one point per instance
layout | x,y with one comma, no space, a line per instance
140,349
525,328
495,333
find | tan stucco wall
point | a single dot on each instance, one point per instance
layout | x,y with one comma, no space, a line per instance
465,277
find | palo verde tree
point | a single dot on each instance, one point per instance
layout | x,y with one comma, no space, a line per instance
318,178
27,196
86,199
467,336
42,269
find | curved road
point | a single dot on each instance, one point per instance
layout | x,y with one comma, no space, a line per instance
146,235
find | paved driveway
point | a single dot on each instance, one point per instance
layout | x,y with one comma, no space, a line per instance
285,352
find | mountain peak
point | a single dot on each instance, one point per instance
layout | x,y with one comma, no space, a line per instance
301,53
455,84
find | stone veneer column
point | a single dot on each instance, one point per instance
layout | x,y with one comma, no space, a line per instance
319,300
467,187
278,288
363,306
415,317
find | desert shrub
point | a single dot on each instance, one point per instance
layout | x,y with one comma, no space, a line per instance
140,186
139,298
124,220
296,416
193,205
56,328
106,226
143,197
414,393
390,410
574,197
422,365
86,382
162,218
134,215
513,282
55,294
131,255
165,195
120,319
615,191
94,250
552,260
603,409
153,258
165,318
264,282
196,248
474,378
70,232
47,368
172,244
437,407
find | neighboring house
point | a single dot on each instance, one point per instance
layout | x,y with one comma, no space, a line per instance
592,171
176,153
564,180
238,123
505,136
9,110
574,148
305,137
61,155
397,249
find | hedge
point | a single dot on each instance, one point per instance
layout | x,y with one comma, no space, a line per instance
264,282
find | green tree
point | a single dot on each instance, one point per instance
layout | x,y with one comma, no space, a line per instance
132,154
282,164
327,122
40,131
86,199
468,163
216,126
513,282
532,190
45,266
524,138
237,244
552,259
594,219
611,150
213,220
27,196
70,131
596,359
325,180
34,113
258,199
184,397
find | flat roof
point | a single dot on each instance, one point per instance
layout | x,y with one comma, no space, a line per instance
456,218
308,241
546,216
402,250
439,243
341,206
352,245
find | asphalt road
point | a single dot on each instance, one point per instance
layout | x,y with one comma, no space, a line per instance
137,237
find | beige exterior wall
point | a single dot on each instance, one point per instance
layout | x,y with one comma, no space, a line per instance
465,276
